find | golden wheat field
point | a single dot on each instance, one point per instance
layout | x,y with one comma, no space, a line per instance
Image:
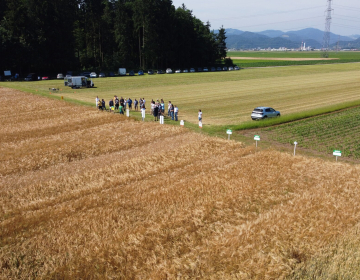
94,195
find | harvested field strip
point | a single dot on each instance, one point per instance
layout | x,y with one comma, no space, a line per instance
171,204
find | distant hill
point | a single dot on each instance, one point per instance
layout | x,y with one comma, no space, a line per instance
348,45
310,36
249,40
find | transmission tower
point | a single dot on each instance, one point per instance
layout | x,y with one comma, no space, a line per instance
326,41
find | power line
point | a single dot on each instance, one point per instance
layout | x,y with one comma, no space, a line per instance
347,7
268,14
280,22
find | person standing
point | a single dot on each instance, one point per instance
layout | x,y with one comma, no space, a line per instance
111,105
103,104
116,103
169,108
172,112
136,104
155,112
176,111
162,106
200,116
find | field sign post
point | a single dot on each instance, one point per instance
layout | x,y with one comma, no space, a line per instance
161,119
182,123
256,138
127,113
143,114
229,132
337,153
295,143
200,124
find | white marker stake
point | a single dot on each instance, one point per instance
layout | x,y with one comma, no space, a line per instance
200,124
143,114
337,153
256,138
127,113
295,143
229,132
161,119
182,123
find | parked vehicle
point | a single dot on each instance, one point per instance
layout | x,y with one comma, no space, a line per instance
150,72
212,69
236,68
122,71
111,74
68,76
160,71
168,71
31,77
102,75
231,68
218,69
225,68
93,75
78,82
178,71
264,113
200,69
85,74
206,69
192,70
45,78
60,76
186,71
131,73
140,72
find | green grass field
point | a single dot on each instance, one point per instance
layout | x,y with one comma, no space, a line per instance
263,58
338,131
226,98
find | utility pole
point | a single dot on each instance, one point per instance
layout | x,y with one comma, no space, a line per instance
326,41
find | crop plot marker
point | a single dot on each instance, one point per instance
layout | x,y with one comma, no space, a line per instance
256,138
127,113
200,124
182,123
229,132
295,143
337,153
161,119
143,115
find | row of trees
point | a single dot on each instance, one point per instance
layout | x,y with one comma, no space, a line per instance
59,35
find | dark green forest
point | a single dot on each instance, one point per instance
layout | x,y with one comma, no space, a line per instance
52,36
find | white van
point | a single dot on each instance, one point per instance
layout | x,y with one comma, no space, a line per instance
122,71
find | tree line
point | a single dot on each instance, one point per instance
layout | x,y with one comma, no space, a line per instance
58,35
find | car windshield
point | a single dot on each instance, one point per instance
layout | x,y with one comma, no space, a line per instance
258,110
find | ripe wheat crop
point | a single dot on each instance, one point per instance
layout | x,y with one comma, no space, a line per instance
93,195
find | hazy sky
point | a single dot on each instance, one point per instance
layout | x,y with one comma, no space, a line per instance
260,15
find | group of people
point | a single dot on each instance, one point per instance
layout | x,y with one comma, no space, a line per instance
157,108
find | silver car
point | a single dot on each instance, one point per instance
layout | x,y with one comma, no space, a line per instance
264,113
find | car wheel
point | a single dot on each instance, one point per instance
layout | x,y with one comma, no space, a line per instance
278,115
265,117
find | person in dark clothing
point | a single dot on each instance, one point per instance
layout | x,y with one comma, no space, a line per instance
103,104
156,112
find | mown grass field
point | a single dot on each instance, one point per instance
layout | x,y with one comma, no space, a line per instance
262,58
226,98
93,195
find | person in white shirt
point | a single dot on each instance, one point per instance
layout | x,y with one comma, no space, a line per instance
169,108
176,111
200,116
